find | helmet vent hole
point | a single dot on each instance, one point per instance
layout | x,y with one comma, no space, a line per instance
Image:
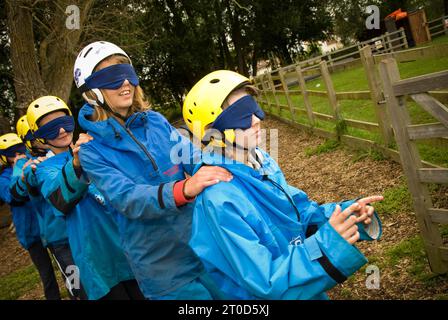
4,140
213,113
58,99
191,112
189,120
194,104
214,81
90,49
36,106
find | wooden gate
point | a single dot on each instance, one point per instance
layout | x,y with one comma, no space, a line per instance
395,92
419,27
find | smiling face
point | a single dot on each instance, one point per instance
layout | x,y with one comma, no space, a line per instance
121,99
65,138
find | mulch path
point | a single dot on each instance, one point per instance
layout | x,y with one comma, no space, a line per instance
328,177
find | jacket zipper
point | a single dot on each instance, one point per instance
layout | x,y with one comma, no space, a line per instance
126,127
278,186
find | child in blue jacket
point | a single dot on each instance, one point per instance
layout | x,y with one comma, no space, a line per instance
24,214
102,267
130,161
53,227
259,237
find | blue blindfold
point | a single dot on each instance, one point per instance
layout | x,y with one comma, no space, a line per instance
238,115
11,151
51,130
112,77
29,136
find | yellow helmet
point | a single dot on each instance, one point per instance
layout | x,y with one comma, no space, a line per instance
7,141
202,105
43,106
23,129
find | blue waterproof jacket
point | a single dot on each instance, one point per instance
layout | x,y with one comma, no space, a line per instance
260,238
53,230
91,226
131,165
23,212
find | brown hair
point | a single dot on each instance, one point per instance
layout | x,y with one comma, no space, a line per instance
139,103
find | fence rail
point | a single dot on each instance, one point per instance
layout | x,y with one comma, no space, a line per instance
438,26
386,43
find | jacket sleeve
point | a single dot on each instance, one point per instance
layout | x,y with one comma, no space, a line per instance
317,214
61,187
17,187
188,154
133,200
304,271
5,195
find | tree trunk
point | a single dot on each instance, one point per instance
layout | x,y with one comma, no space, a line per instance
254,62
28,83
237,39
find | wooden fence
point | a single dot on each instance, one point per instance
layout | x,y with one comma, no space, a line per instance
270,90
384,125
438,26
388,42
395,91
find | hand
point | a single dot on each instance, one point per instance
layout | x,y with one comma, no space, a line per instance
17,157
83,138
34,162
345,223
366,211
30,161
206,176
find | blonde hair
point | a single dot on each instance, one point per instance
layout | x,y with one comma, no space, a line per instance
247,88
139,102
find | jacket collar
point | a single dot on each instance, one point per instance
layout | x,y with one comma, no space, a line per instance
111,127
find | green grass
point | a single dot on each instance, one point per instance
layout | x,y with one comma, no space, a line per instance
355,79
363,110
413,250
16,284
327,146
396,200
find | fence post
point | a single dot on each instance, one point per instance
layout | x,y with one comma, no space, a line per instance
403,36
390,46
265,91
277,103
375,93
445,27
331,93
281,73
306,100
411,163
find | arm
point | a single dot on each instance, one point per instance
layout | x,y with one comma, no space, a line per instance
251,260
319,214
17,187
189,154
5,195
63,188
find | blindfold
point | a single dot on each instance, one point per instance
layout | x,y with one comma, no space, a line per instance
51,130
11,151
29,136
238,115
111,77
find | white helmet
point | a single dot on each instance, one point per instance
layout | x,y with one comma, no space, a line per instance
86,62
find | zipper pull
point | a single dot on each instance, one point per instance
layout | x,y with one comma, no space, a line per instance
296,241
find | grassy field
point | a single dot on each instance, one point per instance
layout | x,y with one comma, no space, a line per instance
355,80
